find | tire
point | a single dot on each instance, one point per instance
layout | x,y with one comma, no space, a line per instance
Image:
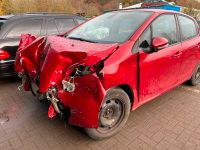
113,114
195,79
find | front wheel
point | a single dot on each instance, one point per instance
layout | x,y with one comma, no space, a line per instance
113,114
195,79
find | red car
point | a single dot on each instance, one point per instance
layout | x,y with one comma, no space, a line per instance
100,71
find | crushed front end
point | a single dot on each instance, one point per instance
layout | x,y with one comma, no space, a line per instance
56,69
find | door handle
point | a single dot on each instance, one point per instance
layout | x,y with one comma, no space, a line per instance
177,54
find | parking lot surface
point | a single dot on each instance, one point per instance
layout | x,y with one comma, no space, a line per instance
170,122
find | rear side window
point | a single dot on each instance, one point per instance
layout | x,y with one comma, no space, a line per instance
52,28
29,26
188,27
65,24
165,26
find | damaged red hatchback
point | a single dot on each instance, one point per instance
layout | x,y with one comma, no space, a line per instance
110,65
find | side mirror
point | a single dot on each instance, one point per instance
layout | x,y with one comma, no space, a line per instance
159,43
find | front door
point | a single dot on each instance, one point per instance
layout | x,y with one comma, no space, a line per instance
159,71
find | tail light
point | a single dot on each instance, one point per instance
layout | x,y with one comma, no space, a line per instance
4,55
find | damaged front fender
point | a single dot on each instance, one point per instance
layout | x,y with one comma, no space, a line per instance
85,102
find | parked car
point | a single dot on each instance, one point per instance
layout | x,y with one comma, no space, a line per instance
12,26
110,65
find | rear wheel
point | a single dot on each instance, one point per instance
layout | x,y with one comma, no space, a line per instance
113,114
195,79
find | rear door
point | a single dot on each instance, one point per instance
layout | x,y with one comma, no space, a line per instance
159,71
190,45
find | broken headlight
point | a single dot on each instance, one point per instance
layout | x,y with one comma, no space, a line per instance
80,70
68,85
75,71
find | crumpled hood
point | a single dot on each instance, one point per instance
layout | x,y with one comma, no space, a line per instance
77,50
55,54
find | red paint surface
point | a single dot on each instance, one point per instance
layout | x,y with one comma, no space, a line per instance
51,112
147,75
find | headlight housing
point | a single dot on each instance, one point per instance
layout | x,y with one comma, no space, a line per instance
72,73
80,70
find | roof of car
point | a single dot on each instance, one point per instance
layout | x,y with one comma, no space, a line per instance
37,14
159,11
148,10
47,14
6,17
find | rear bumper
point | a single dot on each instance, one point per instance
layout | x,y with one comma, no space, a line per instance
7,69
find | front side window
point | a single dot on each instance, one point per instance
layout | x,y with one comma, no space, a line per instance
188,27
144,41
145,38
29,26
112,27
165,26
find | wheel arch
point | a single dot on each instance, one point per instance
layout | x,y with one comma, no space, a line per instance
128,91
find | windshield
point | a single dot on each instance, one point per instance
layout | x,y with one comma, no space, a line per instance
112,27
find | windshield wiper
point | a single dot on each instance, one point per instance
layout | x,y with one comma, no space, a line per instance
81,39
